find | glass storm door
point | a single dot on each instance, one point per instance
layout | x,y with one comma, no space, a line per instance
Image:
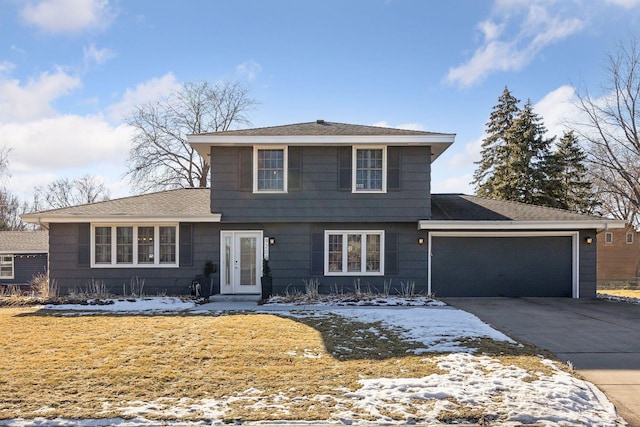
241,253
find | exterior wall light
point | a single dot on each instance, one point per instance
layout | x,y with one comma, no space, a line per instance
421,240
272,241
589,240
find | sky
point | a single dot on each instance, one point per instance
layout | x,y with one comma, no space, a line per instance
71,70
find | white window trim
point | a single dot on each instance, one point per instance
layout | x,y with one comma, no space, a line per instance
135,264
608,238
629,241
354,168
285,165
363,254
13,266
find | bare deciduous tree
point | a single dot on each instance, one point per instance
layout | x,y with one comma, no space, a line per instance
65,192
10,210
160,156
10,205
612,131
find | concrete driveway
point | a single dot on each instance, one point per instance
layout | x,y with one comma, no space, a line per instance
600,338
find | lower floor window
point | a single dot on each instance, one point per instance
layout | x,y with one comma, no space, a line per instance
132,245
354,252
6,266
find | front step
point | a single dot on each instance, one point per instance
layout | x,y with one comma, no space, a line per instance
235,298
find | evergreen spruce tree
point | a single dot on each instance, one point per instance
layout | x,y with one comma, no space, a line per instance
568,182
493,153
525,173
516,157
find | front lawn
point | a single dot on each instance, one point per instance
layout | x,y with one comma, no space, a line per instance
290,366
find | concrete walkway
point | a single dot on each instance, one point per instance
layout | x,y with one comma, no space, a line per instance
600,339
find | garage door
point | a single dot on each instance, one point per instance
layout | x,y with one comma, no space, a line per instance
501,266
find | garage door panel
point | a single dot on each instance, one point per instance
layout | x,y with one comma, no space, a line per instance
501,266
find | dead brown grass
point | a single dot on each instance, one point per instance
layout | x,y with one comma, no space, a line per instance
91,366
626,293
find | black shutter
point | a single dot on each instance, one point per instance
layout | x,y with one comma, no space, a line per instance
390,254
295,169
186,245
344,168
245,167
317,253
84,243
393,168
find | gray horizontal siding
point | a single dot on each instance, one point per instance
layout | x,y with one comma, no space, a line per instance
70,276
290,258
319,198
25,267
588,264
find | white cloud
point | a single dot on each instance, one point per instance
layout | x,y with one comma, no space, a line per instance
67,16
52,147
456,184
97,56
406,126
410,126
145,92
6,66
490,30
249,69
537,25
558,109
470,155
32,100
627,4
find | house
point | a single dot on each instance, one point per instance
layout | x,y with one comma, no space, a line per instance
23,255
619,258
342,204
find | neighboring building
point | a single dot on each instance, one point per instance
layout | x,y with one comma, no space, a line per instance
619,258
23,255
344,204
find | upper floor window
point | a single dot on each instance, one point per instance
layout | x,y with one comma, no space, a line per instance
370,169
629,238
608,238
132,245
6,266
270,169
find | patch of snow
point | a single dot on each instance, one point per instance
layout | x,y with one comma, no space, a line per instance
125,305
615,298
508,395
439,329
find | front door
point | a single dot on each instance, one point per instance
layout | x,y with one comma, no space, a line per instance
241,262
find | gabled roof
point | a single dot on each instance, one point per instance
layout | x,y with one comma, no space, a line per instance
463,212
185,204
321,127
321,132
24,242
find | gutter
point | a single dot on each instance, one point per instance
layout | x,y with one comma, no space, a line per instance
598,225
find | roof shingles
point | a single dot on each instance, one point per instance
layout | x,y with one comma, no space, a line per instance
24,241
182,202
461,207
322,128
